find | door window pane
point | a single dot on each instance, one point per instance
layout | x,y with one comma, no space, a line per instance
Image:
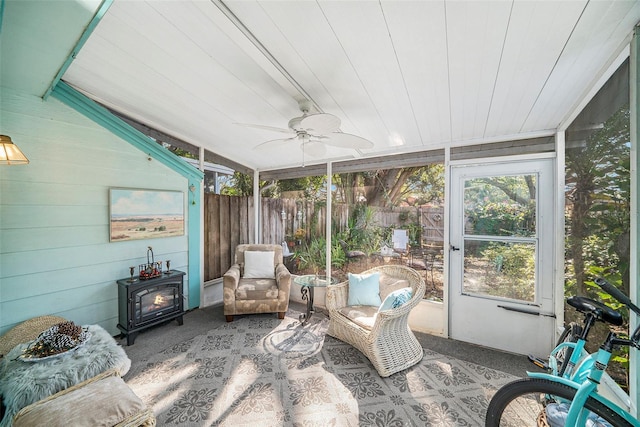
500,206
500,269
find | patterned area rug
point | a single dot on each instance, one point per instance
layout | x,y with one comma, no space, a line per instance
261,371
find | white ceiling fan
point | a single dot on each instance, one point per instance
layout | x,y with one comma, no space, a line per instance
312,132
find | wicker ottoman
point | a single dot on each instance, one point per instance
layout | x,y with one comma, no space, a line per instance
102,401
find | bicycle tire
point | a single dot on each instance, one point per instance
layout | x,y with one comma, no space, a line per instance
571,333
519,403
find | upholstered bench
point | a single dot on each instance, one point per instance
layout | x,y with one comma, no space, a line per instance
24,383
102,401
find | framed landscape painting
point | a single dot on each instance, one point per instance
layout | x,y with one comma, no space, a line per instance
145,214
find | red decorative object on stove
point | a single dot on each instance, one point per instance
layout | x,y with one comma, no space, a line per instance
151,269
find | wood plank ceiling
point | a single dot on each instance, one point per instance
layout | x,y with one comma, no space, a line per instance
406,75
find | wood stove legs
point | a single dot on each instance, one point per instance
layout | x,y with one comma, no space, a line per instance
131,338
131,335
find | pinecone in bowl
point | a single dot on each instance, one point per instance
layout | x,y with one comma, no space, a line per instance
55,340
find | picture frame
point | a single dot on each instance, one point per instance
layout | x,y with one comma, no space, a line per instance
136,214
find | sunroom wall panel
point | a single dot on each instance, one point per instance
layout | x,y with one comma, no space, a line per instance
64,190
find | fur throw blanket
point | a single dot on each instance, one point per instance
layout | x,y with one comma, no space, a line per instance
23,383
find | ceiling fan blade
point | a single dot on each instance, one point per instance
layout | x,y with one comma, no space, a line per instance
321,123
272,128
274,143
346,140
313,148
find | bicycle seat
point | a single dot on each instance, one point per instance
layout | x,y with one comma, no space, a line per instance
598,309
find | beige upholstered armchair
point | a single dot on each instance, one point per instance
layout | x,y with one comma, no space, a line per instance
380,332
258,282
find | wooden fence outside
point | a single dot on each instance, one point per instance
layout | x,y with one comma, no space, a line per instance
431,220
229,221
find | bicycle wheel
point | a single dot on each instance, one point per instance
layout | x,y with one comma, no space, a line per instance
520,403
571,333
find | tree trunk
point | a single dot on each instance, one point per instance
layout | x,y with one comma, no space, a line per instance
384,188
581,206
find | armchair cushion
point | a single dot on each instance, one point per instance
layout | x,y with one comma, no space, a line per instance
364,289
362,315
257,289
259,265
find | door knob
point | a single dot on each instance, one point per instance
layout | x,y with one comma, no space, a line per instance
454,248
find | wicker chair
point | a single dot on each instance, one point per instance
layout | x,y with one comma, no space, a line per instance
383,337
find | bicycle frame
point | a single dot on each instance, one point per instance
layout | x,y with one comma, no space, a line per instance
595,366
584,372
577,354
577,415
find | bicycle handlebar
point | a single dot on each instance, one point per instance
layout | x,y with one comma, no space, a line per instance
617,294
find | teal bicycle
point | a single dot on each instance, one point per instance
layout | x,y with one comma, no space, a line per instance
570,359
568,394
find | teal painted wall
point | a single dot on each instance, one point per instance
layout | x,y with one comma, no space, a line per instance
55,254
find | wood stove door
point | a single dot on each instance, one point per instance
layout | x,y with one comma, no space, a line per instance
156,302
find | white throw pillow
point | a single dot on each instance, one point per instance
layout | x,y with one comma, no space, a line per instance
259,265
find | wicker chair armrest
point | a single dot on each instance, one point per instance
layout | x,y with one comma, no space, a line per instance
337,296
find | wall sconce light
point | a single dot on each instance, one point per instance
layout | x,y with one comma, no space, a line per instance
283,214
10,154
192,189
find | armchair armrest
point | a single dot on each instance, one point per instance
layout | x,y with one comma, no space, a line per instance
230,283
283,278
337,296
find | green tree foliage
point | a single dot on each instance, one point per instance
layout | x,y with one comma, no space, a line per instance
514,266
426,185
598,191
238,185
391,187
362,232
309,187
501,206
242,185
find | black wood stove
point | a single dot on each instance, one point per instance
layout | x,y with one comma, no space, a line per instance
145,303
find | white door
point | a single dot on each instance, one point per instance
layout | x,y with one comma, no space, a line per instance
501,255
